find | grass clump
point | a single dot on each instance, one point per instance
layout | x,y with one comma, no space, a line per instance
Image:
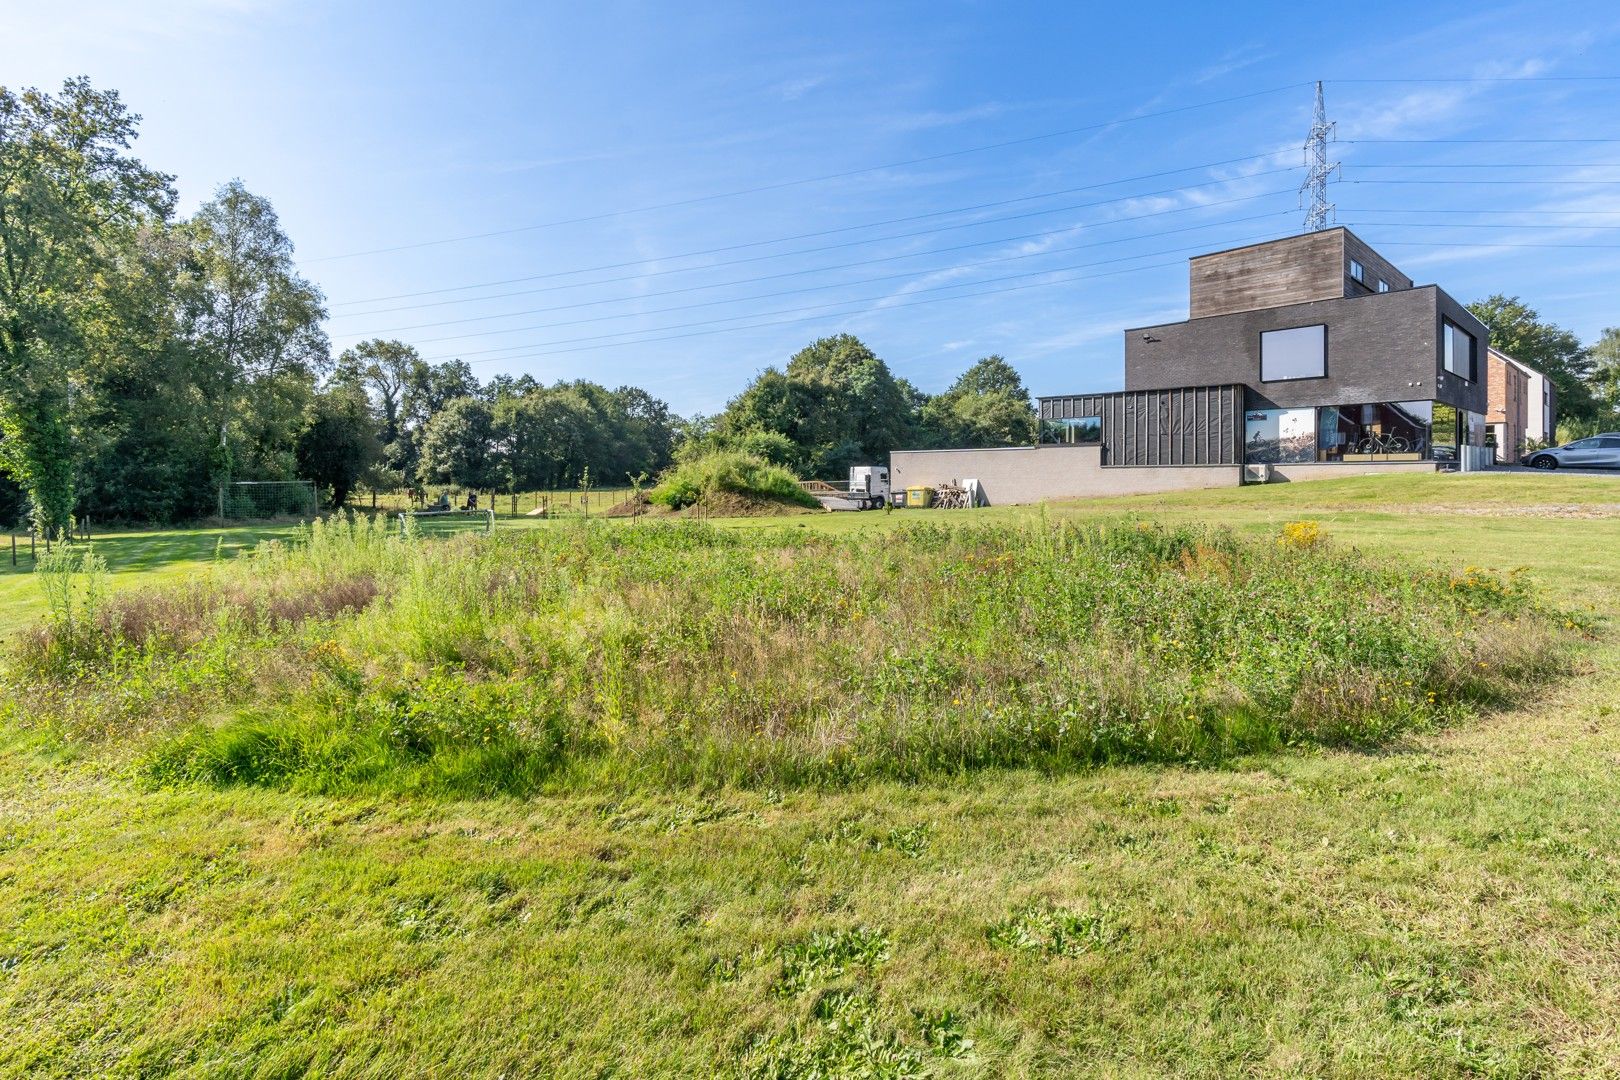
678,654
728,473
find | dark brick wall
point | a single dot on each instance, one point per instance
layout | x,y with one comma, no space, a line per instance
1381,347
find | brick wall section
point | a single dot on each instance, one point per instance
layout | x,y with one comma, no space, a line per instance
1375,265
1508,391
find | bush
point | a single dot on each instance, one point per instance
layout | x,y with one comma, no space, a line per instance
729,472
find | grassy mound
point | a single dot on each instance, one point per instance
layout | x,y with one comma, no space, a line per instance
729,480
677,653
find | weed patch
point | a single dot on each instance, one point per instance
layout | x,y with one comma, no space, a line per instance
1054,931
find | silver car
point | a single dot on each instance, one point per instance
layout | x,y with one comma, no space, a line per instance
1598,452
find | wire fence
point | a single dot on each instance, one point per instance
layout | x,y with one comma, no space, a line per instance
566,502
23,547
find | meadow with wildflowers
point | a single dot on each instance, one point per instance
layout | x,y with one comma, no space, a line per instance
683,654
1306,779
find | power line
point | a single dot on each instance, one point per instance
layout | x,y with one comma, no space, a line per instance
1462,181
1463,142
848,228
780,185
1473,224
863,262
816,318
836,285
1452,210
1488,165
820,307
1488,79
1449,244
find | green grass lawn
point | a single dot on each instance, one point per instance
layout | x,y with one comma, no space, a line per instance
1448,905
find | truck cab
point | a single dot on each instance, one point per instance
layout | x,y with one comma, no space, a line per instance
870,481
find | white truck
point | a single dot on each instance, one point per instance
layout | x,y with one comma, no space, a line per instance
866,489
870,483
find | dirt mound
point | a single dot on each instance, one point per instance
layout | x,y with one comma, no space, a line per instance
635,506
712,504
735,504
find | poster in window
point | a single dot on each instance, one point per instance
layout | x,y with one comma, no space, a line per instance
1280,436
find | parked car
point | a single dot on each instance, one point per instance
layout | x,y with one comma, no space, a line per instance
1598,452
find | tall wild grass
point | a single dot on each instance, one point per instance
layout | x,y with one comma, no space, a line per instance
678,653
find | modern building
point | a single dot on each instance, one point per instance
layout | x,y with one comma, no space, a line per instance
1522,407
1307,356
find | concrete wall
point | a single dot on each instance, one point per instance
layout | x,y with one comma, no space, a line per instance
1031,474
1380,347
1283,474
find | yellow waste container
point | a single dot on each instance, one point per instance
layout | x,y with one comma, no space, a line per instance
918,498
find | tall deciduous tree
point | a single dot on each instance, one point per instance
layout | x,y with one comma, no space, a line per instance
69,193
1605,358
836,400
385,368
1518,330
258,323
459,446
339,441
986,406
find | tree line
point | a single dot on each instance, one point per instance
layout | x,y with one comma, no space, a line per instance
148,359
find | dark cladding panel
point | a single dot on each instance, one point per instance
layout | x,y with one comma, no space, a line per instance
1194,425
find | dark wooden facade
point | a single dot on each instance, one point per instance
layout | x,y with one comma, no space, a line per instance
1293,270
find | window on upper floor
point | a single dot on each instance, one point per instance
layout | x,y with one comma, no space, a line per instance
1300,352
1357,272
1460,350
1383,286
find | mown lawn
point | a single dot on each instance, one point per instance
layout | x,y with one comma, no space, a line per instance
1446,906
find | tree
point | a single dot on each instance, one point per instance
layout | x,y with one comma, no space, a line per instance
548,437
257,325
385,369
431,387
986,406
143,455
69,195
339,443
459,446
1605,357
1517,329
836,400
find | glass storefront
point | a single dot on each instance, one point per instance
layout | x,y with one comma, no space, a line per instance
1375,431
1378,431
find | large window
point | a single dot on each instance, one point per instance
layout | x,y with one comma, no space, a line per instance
1074,431
1460,351
1279,436
1379,431
1299,352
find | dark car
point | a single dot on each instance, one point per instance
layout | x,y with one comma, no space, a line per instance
1597,452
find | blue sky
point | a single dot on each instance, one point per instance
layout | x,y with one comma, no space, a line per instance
386,126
